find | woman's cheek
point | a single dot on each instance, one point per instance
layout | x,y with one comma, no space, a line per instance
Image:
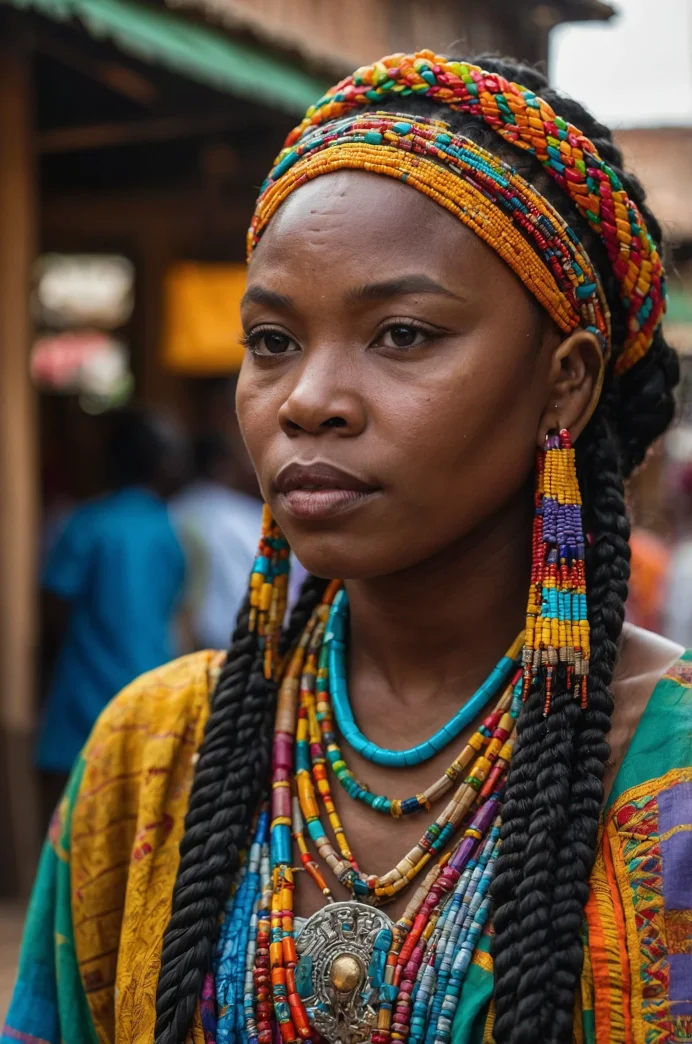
255,411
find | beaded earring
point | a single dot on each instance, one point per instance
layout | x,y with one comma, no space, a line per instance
269,590
557,627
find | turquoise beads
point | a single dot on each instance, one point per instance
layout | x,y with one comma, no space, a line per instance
334,641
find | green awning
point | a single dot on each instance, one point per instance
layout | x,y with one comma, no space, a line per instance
195,51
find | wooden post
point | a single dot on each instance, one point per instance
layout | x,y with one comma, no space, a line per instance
18,469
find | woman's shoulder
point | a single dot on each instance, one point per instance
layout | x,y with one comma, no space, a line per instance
651,731
169,697
146,736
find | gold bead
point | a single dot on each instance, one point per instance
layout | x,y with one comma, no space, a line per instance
346,973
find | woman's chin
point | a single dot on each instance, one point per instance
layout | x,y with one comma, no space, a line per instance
335,557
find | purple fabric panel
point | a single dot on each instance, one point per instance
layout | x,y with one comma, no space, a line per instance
680,983
675,809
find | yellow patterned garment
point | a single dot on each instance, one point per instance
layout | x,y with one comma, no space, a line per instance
127,824
90,959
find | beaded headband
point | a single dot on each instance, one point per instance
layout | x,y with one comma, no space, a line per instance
485,193
528,122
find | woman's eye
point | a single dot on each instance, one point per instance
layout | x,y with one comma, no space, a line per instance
402,336
270,342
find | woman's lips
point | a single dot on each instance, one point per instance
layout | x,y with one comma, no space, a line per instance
320,490
322,503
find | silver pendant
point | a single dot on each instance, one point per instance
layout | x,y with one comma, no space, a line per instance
342,951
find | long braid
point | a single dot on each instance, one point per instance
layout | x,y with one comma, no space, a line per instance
517,804
216,825
534,891
310,595
232,767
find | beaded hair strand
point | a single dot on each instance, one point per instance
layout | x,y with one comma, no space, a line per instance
548,838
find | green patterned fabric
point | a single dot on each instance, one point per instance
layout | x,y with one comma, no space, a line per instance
49,1004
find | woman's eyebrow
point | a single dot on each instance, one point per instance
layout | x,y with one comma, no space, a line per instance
410,284
270,298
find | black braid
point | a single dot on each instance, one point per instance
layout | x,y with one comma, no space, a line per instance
517,805
229,776
310,595
554,791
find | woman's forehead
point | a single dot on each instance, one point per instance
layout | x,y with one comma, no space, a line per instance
354,220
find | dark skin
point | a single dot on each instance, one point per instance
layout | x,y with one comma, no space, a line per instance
389,341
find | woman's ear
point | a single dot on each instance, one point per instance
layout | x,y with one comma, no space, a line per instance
574,384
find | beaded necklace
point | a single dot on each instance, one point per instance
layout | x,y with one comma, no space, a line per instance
334,653
350,973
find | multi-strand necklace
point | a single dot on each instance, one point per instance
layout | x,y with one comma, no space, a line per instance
349,973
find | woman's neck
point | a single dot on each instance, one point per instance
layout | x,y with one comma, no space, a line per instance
433,632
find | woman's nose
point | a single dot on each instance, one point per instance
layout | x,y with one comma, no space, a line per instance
323,400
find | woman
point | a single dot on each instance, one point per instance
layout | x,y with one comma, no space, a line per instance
410,354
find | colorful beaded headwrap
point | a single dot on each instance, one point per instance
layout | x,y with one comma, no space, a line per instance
481,190
524,120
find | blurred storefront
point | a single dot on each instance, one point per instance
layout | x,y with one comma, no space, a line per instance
133,138
368,29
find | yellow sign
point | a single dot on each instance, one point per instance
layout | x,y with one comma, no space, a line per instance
201,320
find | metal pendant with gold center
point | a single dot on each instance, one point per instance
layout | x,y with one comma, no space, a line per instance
342,951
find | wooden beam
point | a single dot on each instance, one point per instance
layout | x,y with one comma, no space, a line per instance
111,135
114,75
19,469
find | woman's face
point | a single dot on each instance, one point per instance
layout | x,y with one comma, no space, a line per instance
395,378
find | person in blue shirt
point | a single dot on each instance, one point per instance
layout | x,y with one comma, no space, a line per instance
111,587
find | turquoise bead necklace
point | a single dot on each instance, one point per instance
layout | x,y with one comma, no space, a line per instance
334,641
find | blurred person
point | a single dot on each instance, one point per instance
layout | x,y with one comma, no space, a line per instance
452,279
218,526
111,584
678,601
218,523
649,577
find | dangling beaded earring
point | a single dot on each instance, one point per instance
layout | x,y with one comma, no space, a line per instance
269,591
557,627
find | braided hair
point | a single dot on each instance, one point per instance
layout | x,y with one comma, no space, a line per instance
554,791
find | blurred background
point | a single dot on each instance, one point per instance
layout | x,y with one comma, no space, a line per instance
134,135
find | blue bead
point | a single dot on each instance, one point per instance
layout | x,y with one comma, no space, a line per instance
388,992
304,985
376,969
261,565
383,940
315,830
280,845
285,164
